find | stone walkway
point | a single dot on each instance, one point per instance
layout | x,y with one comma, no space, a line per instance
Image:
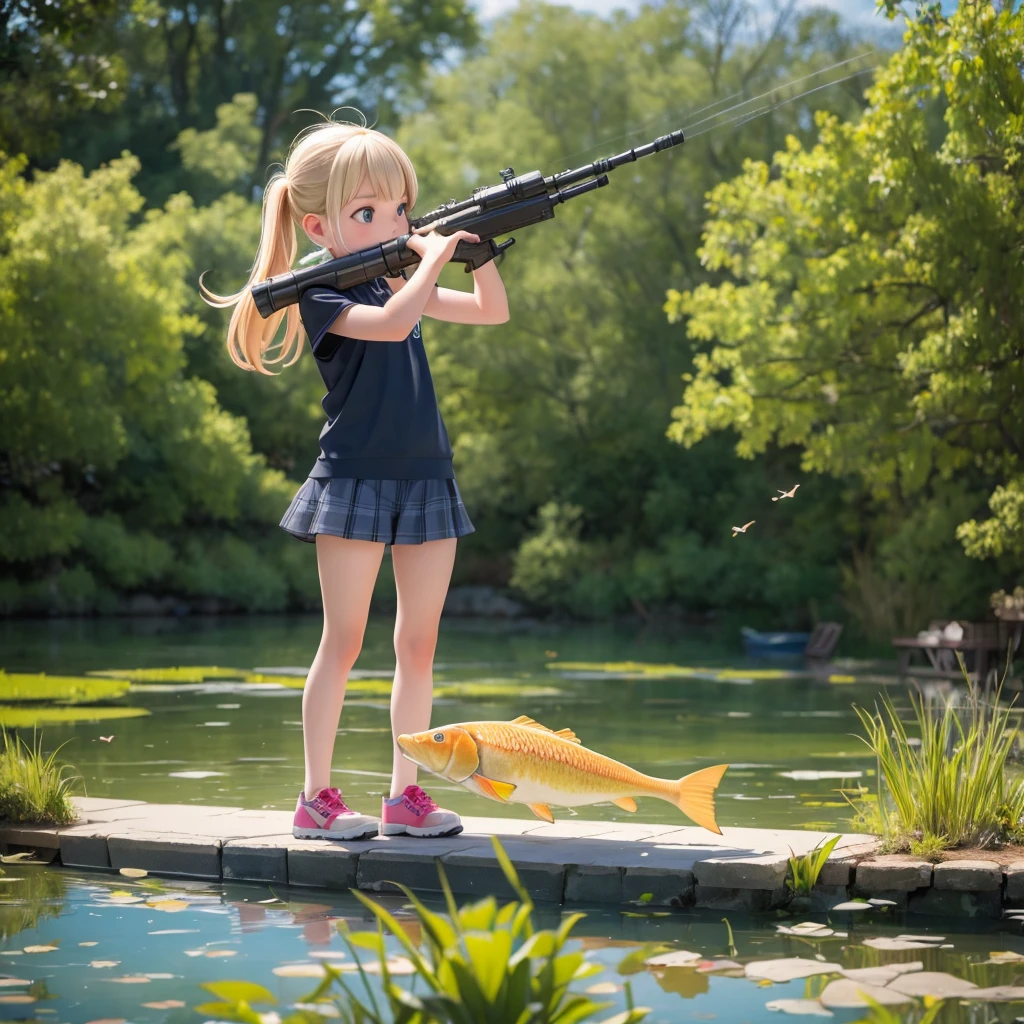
569,861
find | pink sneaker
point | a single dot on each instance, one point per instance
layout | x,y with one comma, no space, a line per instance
327,816
415,814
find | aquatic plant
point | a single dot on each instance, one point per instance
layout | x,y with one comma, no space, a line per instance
23,687
478,962
804,870
33,787
950,786
883,1015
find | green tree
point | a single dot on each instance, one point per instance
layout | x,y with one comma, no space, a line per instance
567,404
119,472
869,301
54,65
185,60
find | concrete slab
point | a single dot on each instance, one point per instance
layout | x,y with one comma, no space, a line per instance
968,875
540,864
178,856
898,875
1015,881
264,859
411,861
742,872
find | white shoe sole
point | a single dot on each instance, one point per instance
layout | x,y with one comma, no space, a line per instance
428,832
367,831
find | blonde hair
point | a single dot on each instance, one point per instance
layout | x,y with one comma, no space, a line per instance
325,166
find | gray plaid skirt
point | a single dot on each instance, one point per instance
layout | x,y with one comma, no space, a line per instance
388,511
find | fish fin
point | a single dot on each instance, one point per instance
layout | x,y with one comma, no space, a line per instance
543,812
494,789
627,803
696,795
528,723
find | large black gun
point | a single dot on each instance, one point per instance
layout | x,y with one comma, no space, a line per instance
491,211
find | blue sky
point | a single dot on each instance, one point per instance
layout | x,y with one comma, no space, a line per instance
856,11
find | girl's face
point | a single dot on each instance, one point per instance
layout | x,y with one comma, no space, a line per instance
366,220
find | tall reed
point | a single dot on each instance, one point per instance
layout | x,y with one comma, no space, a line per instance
952,787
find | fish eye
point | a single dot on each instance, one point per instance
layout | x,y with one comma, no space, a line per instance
438,737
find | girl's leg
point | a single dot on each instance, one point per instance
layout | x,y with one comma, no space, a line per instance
348,570
422,574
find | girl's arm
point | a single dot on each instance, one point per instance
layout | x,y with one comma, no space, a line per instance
394,321
488,303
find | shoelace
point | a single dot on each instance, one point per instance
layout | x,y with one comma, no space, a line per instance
332,797
418,800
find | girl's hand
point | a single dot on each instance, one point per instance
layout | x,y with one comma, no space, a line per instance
436,248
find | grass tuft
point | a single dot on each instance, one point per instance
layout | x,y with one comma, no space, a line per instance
33,787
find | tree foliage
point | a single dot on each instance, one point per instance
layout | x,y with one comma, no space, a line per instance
869,297
186,60
120,471
559,416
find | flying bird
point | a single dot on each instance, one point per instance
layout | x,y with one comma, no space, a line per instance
786,494
742,529
106,739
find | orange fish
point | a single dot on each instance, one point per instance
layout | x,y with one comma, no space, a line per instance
523,762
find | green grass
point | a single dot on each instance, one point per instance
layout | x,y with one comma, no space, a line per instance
34,787
804,870
951,787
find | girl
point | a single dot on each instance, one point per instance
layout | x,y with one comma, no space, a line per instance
384,475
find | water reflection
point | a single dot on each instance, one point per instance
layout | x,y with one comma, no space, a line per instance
80,947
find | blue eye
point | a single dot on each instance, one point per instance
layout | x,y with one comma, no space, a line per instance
401,209
368,210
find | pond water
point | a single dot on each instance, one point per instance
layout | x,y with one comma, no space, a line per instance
81,947
791,739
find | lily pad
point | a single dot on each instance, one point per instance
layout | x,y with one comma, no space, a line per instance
937,984
1007,956
844,994
890,944
799,1007
996,994
29,717
185,674
883,974
19,687
677,958
789,969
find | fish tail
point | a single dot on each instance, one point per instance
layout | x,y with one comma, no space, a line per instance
695,795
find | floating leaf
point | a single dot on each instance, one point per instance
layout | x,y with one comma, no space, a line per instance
799,1007
789,969
134,872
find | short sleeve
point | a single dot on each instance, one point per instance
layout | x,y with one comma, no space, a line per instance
319,308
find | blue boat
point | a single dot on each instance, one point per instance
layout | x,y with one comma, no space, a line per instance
773,645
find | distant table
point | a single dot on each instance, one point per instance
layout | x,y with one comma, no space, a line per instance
906,645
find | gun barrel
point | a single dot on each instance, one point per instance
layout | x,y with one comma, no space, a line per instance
610,163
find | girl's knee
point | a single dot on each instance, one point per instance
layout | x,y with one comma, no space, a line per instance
416,649
340,649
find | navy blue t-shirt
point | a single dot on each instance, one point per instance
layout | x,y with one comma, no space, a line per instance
383,422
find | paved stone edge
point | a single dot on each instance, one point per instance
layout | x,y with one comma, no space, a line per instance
560,870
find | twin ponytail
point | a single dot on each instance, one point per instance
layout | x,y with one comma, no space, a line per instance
250,336
324,169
